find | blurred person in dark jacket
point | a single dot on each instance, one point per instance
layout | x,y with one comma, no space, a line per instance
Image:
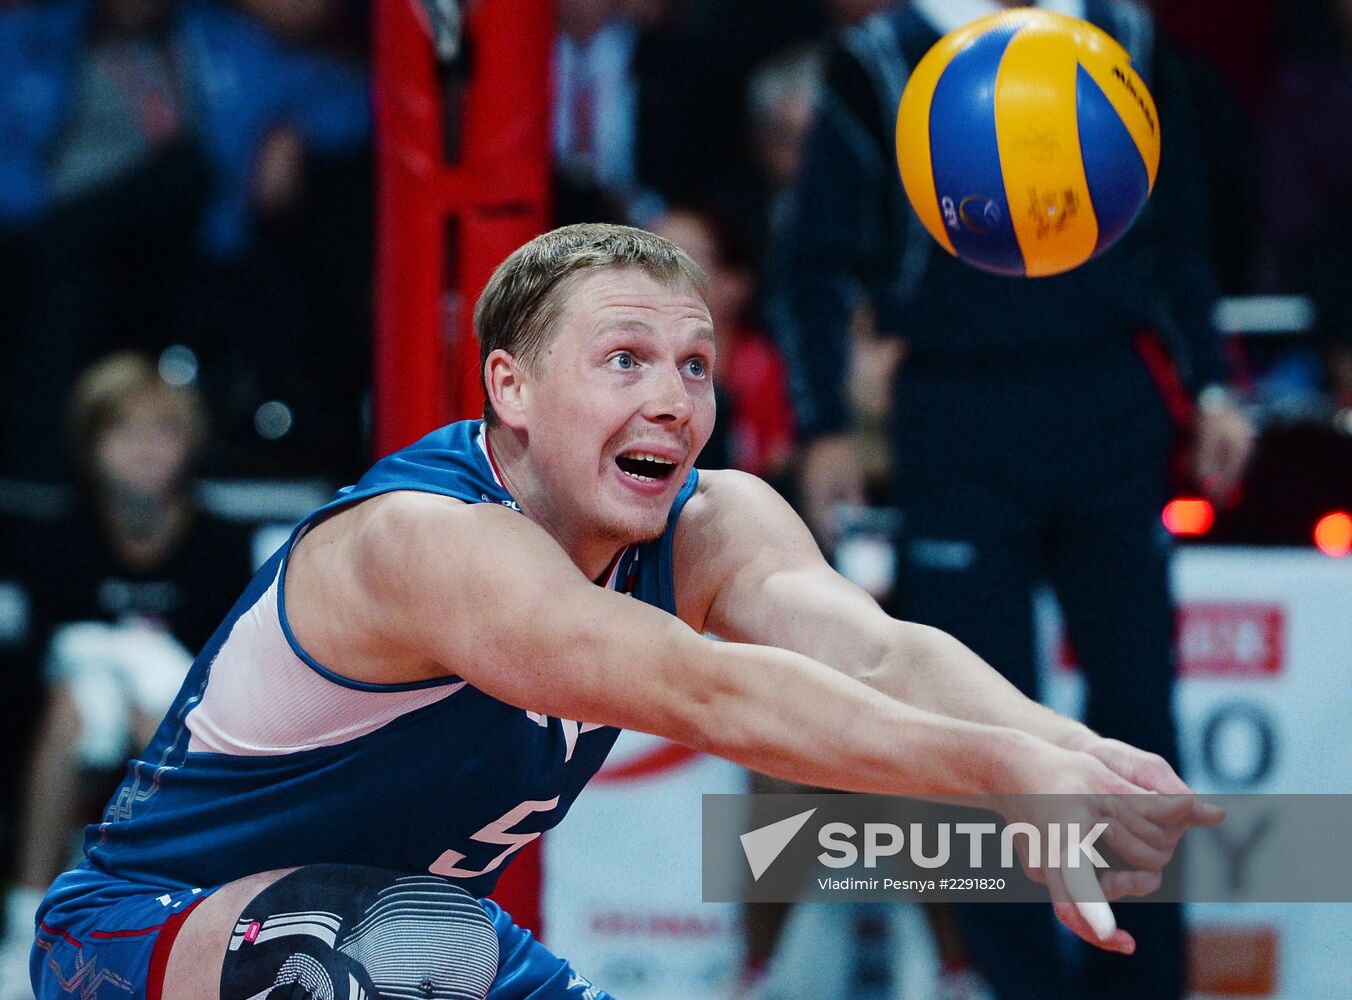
1306,146
1030,440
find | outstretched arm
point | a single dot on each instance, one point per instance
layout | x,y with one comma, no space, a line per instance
764,580
411,586
752,573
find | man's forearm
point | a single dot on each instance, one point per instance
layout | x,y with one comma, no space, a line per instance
932,670
788,716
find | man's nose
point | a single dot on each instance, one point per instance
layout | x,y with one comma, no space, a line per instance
670,399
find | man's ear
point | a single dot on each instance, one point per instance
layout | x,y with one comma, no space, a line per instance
506,383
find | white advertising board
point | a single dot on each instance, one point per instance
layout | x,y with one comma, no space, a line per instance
1264,641
622,877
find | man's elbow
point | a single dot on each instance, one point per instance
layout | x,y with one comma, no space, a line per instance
903,657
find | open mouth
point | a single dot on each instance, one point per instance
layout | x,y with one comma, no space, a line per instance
645,466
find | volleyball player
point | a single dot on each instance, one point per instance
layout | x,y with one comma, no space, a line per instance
427,673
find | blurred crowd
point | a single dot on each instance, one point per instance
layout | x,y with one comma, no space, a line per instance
192,178
186,230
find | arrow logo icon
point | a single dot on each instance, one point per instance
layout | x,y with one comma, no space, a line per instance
762,846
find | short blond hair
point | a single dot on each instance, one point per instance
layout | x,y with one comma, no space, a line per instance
526,294
103,390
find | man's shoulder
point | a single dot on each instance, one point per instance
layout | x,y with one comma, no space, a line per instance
408,513
740,532
724,492
729,516
382,529
359,582
711,539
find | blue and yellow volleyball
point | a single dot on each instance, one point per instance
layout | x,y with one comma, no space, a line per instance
1027,142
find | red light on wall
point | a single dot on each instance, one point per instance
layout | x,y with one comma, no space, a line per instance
1188,516
1333,534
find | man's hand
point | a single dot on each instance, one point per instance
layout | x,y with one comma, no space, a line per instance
1225,439
1146,805
1152,773
829,475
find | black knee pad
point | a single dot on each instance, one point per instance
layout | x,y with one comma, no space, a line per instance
344,932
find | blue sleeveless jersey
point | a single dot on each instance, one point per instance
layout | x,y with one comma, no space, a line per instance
267,759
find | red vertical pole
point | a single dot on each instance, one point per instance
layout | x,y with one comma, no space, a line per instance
410,351
490,195
492,198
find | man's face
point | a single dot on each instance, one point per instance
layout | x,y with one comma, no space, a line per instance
619,404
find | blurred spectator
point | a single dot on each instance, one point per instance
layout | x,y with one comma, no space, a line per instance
128,586
1028,437
781,102
1227,74
755,422
594,108
99,173
695,142
1306,146
140,136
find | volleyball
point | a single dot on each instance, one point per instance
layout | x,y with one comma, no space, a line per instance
1027,143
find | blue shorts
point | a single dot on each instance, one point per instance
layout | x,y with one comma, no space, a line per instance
104,938
100,937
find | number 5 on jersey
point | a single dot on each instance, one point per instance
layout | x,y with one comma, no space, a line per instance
499,833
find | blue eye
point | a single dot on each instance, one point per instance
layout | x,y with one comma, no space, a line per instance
624,361
698,367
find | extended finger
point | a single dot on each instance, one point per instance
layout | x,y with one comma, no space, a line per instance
1175,813
1080,904
1206,813
1125,817
1120,941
